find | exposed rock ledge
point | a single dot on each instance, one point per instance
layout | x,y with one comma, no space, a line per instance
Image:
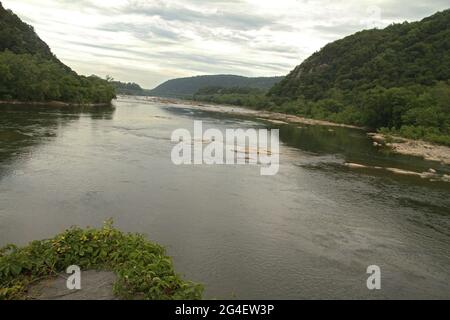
419,148
431,174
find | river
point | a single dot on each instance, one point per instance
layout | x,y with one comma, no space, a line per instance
308,232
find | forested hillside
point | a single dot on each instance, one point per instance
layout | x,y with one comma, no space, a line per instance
19,37
29,71
187,87
396,78
130,88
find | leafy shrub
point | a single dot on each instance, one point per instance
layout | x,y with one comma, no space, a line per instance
143,269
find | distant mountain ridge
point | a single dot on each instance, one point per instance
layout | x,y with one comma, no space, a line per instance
187,87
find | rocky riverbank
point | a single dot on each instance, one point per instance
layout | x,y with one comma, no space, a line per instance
274,117
419,148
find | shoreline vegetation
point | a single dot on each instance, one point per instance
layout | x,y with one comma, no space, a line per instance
420,114
55,103
270,116
419,148
143,270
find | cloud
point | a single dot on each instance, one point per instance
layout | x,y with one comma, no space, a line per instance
143,31
214,18
155,40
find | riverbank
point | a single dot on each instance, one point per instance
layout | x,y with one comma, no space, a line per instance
418,148
274,117
54,104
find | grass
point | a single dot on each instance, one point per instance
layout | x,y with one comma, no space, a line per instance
143,270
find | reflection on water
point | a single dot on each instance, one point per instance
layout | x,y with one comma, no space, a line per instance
353,145
22,127
308,232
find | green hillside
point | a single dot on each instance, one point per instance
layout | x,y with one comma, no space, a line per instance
129,88
187,87
401,55
19,37
396,78
29,71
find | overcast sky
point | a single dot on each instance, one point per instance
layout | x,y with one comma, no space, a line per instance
155,40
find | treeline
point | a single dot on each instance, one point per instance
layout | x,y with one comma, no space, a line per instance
29,72
395,80
130,89
417,112
27,78
233,90
188,87
238,96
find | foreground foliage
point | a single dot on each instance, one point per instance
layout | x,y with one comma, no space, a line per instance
143,269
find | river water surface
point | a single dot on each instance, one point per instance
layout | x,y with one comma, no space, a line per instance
311,231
